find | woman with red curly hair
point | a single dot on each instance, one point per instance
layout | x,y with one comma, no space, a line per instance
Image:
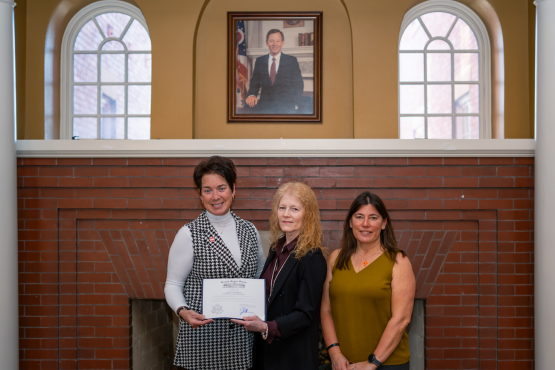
295,271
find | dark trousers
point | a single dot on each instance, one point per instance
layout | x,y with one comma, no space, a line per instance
404,366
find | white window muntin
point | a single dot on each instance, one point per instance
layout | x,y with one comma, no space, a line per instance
74,27
484,54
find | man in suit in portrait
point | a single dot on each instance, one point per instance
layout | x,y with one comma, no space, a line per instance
279,77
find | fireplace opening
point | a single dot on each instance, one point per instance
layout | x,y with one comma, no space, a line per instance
152,334
416,332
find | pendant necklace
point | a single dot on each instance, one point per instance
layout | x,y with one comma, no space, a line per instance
365,263
219,226
272,280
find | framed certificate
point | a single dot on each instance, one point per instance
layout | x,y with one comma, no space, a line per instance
233,298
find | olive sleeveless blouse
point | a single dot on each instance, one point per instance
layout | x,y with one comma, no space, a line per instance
361,308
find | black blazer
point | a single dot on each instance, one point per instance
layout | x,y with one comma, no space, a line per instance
288,86
295,306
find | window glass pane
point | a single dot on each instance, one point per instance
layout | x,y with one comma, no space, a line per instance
138,128
462,37
84,67
112,45
112,128
84,100
136,37
439,67
412,99
88,38
84,127
467,128
412,128
414,37
439,99
112,24
140,67
438,24
440,128
112,100
467,99
112,68
139,100
411,67
467,67
438,45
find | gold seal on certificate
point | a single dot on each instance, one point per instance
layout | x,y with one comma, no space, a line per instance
233,298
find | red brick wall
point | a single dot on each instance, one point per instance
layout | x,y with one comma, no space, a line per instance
94,233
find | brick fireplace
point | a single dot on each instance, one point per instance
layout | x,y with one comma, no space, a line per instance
95,233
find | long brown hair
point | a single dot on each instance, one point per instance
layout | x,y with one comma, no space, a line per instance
310,238
348,243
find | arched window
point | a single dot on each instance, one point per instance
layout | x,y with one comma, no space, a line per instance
106,74
444,73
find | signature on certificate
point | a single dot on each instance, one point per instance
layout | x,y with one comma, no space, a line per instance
244,311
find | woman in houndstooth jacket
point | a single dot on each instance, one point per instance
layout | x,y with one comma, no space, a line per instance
218,244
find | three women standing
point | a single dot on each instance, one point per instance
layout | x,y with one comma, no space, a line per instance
368,293
368,289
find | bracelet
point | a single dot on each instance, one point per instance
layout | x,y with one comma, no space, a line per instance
332,345
265,335
179,310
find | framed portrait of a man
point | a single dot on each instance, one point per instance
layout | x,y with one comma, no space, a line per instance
274,67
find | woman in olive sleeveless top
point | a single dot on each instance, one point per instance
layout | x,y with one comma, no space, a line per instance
368,293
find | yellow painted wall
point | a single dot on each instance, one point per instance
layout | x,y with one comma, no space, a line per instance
20,21
211,74
513,15
363,105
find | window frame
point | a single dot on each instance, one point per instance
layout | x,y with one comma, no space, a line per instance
66,73
484,49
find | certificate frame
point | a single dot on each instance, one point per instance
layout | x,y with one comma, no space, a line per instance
308,53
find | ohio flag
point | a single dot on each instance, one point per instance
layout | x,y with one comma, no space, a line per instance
241,76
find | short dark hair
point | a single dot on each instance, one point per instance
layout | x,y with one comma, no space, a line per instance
274,30
216,165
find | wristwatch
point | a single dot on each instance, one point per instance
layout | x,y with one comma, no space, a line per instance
373,360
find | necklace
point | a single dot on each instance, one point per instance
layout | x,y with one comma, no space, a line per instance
218,226
272,280
365,263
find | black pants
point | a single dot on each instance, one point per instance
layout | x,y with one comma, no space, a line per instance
404,366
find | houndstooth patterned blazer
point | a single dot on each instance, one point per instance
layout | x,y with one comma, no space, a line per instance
220,345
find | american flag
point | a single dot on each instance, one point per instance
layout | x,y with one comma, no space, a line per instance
241,76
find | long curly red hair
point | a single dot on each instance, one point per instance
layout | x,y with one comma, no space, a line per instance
310,238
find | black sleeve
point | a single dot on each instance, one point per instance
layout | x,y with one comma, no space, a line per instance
297,80
307,306
255,82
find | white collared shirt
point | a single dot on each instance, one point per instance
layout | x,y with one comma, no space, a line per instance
270,61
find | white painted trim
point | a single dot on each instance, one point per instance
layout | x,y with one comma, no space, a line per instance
9,2
476,24
71,32
275,148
